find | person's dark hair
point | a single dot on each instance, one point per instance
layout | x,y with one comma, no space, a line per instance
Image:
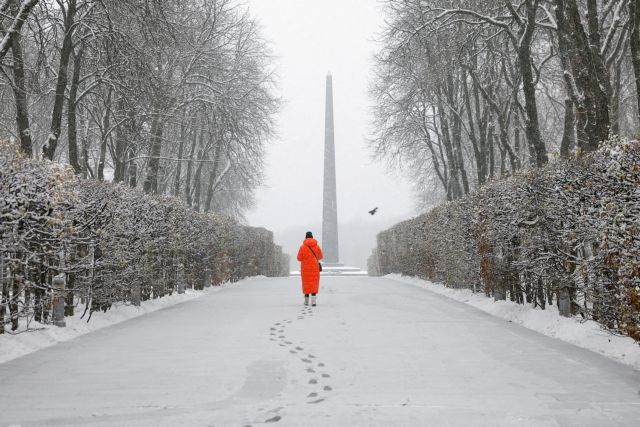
309,235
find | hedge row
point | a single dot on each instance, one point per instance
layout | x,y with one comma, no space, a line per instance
112,244
567,234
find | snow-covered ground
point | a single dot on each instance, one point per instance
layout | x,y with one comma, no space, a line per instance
21,342
586,334
374,352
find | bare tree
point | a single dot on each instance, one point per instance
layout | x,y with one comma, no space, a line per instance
13,14
469,85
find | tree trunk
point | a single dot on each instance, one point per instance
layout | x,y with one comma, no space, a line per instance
454,190
187,187
482,117
197,182
503,161
441,156
505,147
123,133
213,176
604,90
588,74
571,116
477,152
176,181
614,114
84,160
634,44
119,160
456,136
532,126
106,123
153,168
133,175
516,142
13,302
568,137
49,149
71,113
435,157
20,95
39,278
490,149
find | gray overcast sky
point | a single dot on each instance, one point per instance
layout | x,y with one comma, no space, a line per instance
309,38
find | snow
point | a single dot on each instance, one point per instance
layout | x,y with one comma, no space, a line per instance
108,174
41,336
374,352
586,334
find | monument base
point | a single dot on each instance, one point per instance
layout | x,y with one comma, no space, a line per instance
335,269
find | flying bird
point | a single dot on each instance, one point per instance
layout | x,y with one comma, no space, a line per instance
373,211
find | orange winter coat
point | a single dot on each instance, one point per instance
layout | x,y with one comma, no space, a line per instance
309,269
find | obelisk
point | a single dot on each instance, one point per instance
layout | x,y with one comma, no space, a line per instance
330,203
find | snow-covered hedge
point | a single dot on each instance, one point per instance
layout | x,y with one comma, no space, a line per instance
567,234
112,244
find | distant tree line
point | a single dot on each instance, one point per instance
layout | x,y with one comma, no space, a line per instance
110,244
566,233
173,97
467,91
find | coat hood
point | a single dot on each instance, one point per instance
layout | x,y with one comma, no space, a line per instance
312,243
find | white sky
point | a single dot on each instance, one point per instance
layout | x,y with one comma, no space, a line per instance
309,38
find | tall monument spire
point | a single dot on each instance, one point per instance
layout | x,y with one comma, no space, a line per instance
330,203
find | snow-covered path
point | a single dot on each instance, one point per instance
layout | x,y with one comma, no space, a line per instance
374,352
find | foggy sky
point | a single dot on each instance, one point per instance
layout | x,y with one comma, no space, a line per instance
310,38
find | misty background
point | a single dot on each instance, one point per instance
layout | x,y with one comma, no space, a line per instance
310,39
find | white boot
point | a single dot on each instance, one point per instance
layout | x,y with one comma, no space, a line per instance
313,300
306,300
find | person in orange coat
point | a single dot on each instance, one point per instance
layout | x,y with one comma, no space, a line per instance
309,256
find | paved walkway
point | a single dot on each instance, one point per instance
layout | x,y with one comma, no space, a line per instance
373,353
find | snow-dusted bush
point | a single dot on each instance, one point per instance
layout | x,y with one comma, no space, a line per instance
113,244
566,234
